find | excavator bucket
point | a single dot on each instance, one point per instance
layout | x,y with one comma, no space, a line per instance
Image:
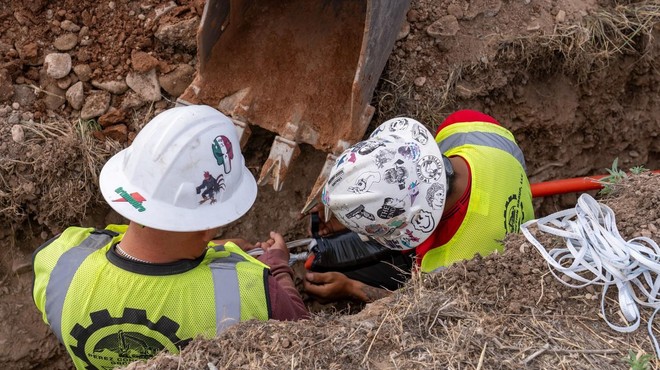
303,69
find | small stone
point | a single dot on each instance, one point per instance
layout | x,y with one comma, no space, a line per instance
67,25
180,35
15,106
114,87
57,65
455,10
117,132
64,83
404,31
145,84
112,117
75,95
44,235
83,71
95,105
560,17
66,42
55,97
534,26
420,81
175,82
17,133
111,5
143,62
633,154
131,100
445,26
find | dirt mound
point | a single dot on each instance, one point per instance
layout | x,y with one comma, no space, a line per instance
503,311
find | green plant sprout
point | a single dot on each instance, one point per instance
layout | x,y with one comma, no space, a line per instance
616,175
638,361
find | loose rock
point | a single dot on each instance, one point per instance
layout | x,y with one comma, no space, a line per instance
57,65
561,16
445,26
66,42
117,132
23,95
67,25
83,71
143,62
112,117
75,95
95,105
403,32
114,87
145,84
175,82
17,133
181,34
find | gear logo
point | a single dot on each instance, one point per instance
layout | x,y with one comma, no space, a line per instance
514,213
110,342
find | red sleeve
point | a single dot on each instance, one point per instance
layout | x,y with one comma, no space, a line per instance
466,115
285,301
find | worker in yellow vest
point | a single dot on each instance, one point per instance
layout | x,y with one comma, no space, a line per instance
433,203
124,293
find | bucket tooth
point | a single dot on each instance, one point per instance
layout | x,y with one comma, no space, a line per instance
244,132
282,154
315,196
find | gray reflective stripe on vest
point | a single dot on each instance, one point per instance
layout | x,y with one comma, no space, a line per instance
486,139
62,275
227,292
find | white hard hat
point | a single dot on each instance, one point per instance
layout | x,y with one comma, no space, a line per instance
392,186
183,172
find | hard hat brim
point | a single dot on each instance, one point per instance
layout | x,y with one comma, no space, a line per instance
163,216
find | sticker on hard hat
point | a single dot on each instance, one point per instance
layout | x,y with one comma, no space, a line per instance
210,186
223,152
435,196
398,124
134,199
423,221
429,168
420,134
364,182
397,174
383,156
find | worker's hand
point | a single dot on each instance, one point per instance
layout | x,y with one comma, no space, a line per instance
276,242
242,243
329,285
326,227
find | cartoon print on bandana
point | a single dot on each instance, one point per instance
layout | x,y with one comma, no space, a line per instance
212,186
392,207
435,196
409,151
367,146
223,152
377,131
350,157
360,212
364,182
413,191
410,235
376,229
423,221
383,156
397,223
397,175
336,178
398,124
419,134
429,168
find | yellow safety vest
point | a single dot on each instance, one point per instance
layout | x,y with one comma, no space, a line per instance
109,316
500,195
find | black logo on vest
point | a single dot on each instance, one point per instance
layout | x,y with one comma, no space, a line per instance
118,341
514,212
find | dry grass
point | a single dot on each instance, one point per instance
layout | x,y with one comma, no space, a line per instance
572,48
589,45
52,176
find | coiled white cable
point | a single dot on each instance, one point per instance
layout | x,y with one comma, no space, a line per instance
595,253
